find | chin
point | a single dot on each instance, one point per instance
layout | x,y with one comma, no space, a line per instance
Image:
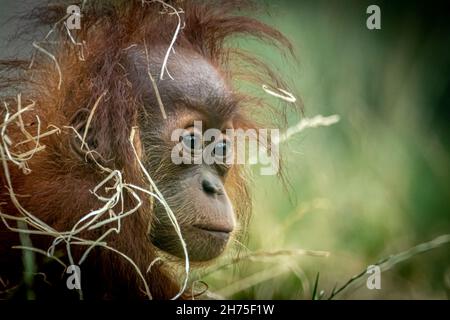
202,244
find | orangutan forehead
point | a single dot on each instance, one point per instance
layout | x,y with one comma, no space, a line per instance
191,80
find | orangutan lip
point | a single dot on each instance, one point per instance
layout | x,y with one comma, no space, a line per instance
218,231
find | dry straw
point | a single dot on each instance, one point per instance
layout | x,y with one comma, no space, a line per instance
112,212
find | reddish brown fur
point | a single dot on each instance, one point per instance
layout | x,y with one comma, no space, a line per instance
57,189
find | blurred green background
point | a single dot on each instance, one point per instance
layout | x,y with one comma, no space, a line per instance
372,185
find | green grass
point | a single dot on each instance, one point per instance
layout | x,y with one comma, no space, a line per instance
375,184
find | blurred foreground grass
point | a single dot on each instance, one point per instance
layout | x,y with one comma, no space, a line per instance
376,183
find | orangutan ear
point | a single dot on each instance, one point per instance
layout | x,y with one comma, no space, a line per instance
105,125
83,140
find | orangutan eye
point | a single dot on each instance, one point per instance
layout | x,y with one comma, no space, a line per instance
222,148
192,141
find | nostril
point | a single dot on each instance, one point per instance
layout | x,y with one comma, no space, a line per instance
211,188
